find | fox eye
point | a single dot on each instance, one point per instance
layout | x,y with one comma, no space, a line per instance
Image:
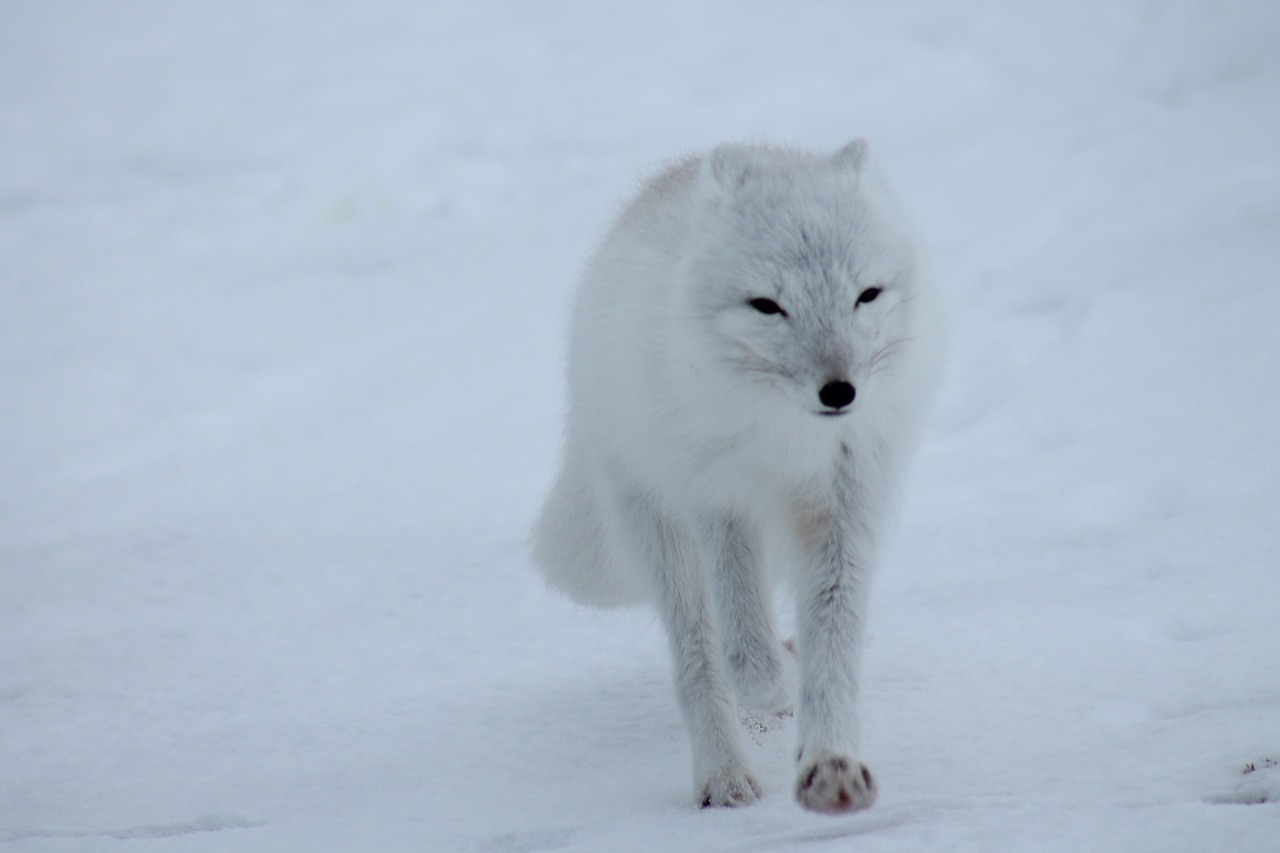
767,306
868,295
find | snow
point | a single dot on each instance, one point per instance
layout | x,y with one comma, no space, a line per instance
284,291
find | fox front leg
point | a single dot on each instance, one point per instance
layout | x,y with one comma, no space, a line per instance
721,774
832,603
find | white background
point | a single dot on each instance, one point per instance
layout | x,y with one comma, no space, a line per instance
283,293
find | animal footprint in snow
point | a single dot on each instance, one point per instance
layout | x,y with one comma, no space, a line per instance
1260,784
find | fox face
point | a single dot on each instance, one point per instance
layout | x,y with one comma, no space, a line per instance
800,278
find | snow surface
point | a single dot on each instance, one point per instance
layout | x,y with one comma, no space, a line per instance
283,289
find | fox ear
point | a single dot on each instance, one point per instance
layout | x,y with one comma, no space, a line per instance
852,156
730,166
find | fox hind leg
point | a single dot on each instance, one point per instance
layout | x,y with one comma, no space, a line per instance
760,669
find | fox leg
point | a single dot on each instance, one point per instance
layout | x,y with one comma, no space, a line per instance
761,672
671,557
832,606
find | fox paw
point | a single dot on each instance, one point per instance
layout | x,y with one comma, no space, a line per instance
730,786
834,784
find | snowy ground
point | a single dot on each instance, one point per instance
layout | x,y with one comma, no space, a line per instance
283,289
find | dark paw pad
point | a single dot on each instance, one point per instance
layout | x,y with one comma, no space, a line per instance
835,784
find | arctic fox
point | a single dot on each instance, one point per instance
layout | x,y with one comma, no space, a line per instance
752,348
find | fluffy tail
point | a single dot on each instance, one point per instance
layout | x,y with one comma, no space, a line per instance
573,546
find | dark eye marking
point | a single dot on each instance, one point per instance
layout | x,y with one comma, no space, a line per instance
766,306
868,295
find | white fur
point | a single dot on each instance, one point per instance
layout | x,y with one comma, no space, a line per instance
696,445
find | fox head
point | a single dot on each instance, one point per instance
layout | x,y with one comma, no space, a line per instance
800,275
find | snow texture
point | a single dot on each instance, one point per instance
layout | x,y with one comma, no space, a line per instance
283,295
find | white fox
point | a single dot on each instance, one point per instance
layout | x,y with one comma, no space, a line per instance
752,349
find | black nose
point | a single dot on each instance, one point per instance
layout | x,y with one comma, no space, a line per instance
837,394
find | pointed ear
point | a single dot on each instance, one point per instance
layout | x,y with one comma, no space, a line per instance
730,166
852,156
